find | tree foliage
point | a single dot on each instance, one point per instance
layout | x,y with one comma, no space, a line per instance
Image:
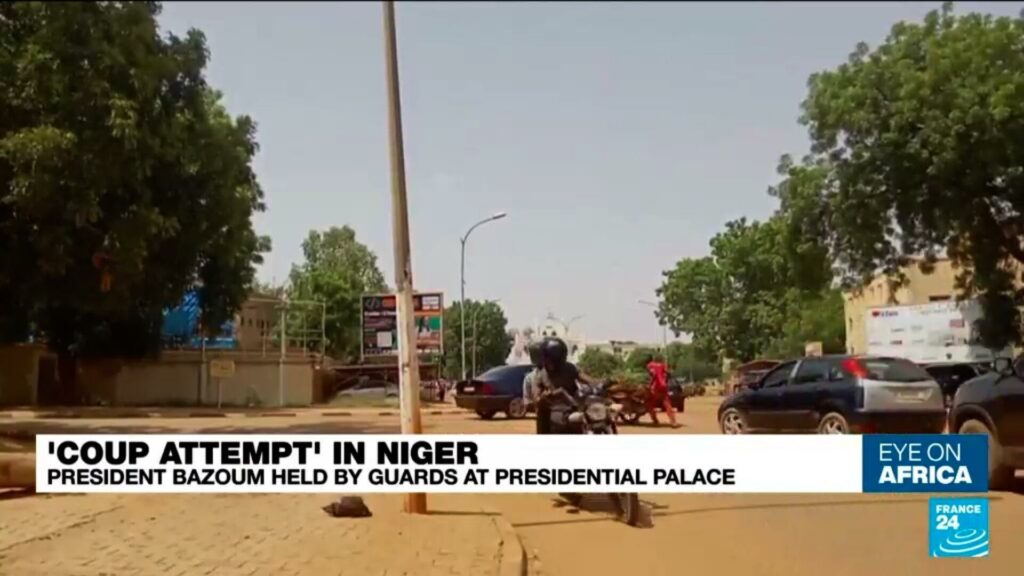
123,181
918,149
598,363
638,358
491,340
686,360
735,302
337,270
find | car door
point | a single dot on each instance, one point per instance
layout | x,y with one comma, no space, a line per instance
799,401
1009,397
766,400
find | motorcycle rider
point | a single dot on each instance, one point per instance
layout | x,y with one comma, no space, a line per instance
557,373
531,390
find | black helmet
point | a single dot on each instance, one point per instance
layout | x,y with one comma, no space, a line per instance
555,351
536,352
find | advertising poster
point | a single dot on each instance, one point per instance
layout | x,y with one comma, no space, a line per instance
380,324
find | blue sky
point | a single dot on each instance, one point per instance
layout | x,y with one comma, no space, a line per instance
619,137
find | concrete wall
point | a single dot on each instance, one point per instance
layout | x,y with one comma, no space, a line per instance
19,375
182,379
256,383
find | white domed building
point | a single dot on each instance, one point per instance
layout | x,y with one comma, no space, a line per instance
551,327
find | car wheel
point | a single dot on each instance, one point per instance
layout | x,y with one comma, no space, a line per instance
486,414
1000,477
833,423
516,408
733,422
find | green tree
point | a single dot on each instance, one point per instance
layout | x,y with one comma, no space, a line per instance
922,141
637,359
337,270
490,340
686,360
814,320
598,363
735,301
123,180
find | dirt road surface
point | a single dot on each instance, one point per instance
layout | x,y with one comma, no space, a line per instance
784,535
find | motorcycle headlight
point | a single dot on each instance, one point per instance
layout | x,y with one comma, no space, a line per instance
597,412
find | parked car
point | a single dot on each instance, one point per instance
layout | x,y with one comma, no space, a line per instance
993,404
950,375
499,389
686,389
371,388
838,395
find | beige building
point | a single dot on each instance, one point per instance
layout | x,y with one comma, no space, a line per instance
254,323
920,288
622,348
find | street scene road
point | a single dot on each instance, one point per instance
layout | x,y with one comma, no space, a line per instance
716,533
795,218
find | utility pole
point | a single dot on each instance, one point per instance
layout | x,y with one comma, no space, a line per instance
409,370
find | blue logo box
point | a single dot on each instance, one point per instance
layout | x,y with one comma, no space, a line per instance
958,527
903,463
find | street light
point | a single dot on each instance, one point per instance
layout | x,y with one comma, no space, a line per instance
664,329
462,284
566,325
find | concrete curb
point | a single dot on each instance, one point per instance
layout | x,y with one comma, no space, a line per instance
512,560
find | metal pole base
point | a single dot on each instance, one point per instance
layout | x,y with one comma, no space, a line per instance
415,504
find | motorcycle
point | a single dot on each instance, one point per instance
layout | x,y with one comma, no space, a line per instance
593,413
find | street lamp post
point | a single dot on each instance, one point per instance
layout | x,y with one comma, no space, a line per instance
565,325
462,284
664,330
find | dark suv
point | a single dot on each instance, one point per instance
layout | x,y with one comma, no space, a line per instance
838,395
993,404
950,375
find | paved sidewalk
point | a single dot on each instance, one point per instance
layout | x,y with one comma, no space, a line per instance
250,535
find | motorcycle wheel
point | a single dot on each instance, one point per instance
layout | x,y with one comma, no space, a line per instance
628,507
631,417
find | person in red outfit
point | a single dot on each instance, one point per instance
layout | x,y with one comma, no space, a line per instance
658,396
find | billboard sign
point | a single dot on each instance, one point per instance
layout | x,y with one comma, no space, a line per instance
380,324
934,332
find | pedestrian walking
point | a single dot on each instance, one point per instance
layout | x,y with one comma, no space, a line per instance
657,393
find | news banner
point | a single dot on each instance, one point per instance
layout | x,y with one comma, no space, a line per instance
510,463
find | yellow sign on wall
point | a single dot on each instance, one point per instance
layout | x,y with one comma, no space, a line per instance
222,368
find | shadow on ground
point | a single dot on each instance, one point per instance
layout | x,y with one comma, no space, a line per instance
599,503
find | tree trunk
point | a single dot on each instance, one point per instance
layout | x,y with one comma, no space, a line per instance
18,471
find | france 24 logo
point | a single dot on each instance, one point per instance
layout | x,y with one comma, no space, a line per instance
958,527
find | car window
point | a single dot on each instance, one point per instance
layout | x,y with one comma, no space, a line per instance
894,370
499,373
811,371
778,376
963,372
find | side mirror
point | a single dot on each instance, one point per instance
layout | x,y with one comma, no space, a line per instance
1004,366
